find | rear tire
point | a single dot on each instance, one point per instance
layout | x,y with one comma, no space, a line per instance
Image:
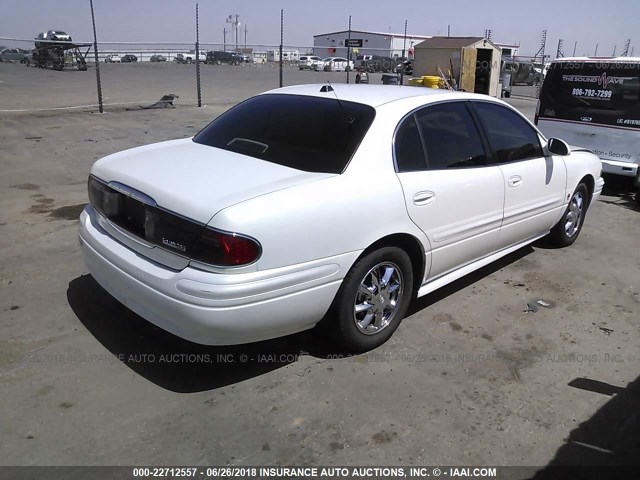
373,299
568,228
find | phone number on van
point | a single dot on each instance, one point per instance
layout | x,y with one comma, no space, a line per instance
588,92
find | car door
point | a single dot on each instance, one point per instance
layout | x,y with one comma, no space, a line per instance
450,192
534,184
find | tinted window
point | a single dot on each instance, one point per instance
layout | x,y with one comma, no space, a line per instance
510,136
307,133
598,92
450,137
408,147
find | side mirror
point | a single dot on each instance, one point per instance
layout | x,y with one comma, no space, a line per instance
558,147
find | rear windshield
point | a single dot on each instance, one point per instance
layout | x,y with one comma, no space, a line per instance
312,134
598,92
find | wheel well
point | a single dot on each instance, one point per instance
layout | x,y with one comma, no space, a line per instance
411,245
589,182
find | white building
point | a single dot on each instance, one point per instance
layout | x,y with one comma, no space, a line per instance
509,49
365,43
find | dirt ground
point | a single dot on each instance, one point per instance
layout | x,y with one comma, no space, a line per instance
469,378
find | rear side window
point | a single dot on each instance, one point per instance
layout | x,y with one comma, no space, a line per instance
450,137
408,147
307,133
601,92
510,136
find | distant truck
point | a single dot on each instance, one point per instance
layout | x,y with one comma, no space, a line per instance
190,57
522,73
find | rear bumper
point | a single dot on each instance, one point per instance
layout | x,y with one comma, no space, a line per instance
213,308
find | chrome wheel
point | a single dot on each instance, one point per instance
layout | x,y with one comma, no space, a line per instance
379,294
574,215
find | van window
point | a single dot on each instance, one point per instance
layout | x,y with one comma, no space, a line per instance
601,92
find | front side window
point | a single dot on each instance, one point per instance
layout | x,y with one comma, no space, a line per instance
510,136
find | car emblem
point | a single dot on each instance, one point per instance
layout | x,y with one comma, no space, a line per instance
175,245
585,119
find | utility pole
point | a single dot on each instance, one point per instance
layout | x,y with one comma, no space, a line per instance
198,59
348,49
404,47
245,36
448,30
280,60
543,43
95,51
224,45
235,24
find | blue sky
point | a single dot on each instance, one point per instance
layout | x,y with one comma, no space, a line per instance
587,22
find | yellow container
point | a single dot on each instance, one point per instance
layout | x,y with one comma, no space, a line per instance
431,81
416,81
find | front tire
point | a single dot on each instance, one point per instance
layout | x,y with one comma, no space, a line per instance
373,299
568,228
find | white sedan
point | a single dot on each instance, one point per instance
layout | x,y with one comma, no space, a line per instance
271,219
334,64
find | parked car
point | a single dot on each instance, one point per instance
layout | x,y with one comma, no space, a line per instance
191,57
220,57
404,66
158,58
380,64
334,64
115,58
261,225
595,103
247,58
52,35
309,62
11,55
129,58
522,73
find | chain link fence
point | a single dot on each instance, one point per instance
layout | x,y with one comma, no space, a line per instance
45,74
134,75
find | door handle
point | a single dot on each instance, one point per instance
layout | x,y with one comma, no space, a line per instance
515,181
423,198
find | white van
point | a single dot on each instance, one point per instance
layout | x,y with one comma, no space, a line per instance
595,103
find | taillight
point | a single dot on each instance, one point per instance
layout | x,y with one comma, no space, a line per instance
225,249
171,231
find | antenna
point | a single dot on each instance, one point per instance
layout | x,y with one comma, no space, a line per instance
329,88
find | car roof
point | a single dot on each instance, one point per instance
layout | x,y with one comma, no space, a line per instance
376,95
